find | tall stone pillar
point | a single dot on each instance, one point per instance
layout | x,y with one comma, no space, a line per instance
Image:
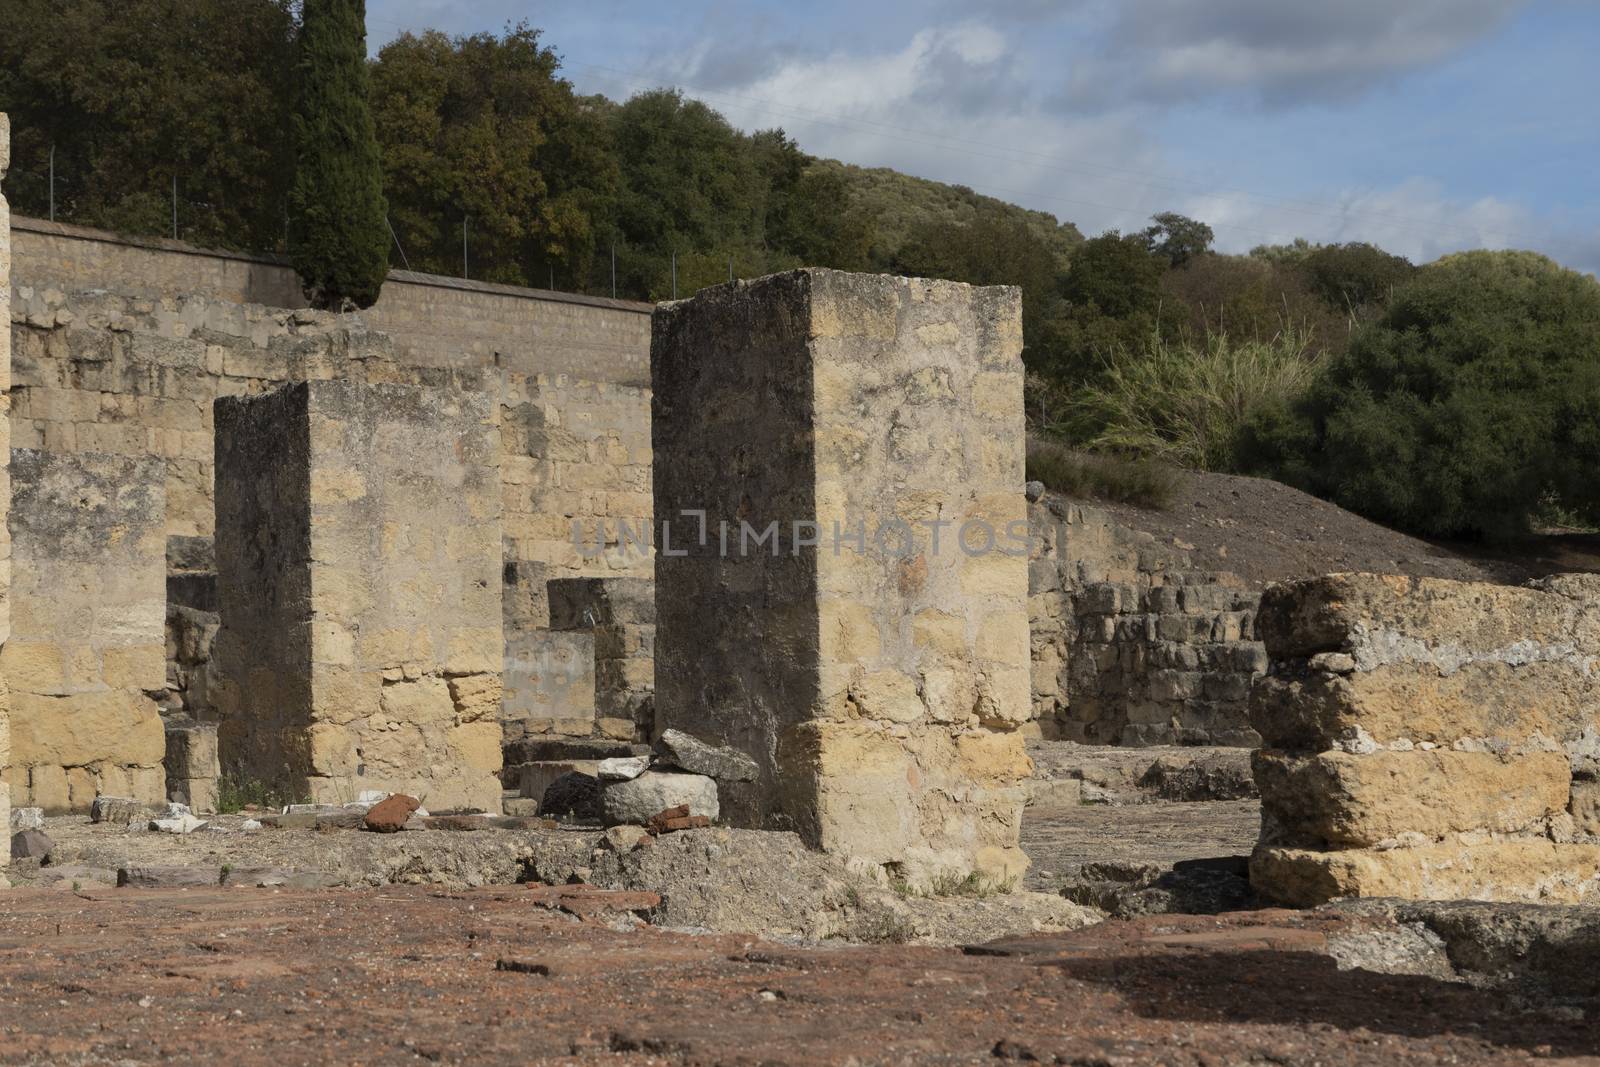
359,582
5,490
853,613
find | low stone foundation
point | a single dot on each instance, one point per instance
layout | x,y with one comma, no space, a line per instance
1132,645
1429,739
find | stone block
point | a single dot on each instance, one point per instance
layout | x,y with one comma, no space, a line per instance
637,800
1344,799
192,750
1529,870
87,642
360,572
829,426
585,603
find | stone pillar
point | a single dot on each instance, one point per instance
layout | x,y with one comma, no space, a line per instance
359,582
5,494
878,684
1429,739
89,645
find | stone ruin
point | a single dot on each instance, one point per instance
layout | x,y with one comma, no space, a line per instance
358,551
291,548
1429,739
880,686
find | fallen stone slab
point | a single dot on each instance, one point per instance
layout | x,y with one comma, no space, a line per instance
689,753
169,877
588,902
623,768
338,819
31,845
468,823
75,875
27,819
639,800
389,815
277,877
181,823
117,811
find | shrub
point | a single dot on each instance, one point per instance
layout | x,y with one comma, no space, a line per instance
1114,478
1470,404
1186,402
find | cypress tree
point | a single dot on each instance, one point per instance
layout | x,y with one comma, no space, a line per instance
339,235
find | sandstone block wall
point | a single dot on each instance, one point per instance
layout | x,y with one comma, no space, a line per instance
1429,739
359,578
577,454
435,321
87,649
135,375
1132,645
880,691
5,492
619,614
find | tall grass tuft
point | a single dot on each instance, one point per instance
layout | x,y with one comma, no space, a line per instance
1185,401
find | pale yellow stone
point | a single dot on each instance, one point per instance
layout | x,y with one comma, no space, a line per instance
1529,870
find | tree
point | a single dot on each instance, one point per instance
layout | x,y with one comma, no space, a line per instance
1461,410
131,94
1355,277
339,237
483,128
1177,238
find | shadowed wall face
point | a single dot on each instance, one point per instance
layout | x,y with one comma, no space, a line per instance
359,579
879,680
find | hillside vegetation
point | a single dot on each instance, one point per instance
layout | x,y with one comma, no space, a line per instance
1460,399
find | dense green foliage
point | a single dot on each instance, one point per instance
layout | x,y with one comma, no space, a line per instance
132,93
339,239
1462,410
1460,398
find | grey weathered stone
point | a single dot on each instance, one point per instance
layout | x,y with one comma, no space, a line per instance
117,811
31,845
637,800
623,768
681,750
27,819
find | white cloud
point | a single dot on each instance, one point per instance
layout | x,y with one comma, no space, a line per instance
1284,51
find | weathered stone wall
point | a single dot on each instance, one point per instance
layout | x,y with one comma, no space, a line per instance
359,574
435,321
87,648
576,454
1429,739
5,493
619,616
880,691
128,375
1131,644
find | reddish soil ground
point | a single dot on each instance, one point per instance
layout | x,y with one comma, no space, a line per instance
1265,531
403,975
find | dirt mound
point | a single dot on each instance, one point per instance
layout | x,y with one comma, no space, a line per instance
1265,531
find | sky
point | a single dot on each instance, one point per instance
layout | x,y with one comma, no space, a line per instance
1423,126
